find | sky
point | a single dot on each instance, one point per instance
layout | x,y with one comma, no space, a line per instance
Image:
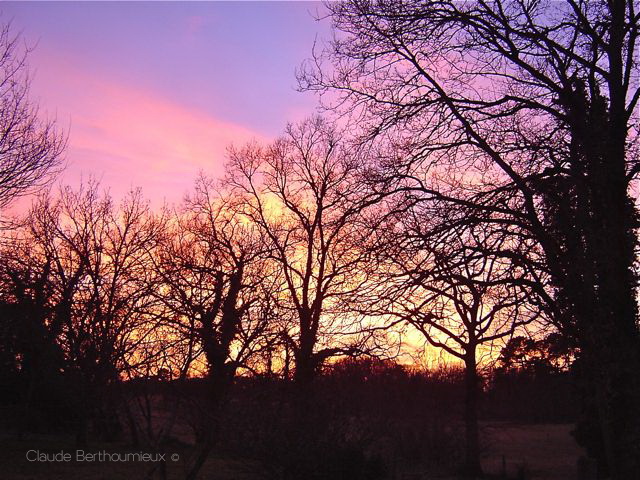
151,93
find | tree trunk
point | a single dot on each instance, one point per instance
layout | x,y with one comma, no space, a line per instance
218,384
304,371
305,367
472,468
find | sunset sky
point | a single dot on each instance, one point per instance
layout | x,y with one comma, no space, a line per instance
153,92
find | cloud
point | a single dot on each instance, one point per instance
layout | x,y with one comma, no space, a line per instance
133,137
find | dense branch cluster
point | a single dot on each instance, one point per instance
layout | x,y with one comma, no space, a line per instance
474,191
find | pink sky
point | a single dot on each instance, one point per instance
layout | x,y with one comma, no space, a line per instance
152,93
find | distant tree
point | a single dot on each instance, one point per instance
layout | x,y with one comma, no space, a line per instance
534,106
533,379
30,148
544,355
365,369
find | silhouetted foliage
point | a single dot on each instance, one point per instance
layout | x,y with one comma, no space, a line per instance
364,418
533,381
77,278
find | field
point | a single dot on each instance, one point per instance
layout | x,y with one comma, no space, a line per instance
545,452
541,452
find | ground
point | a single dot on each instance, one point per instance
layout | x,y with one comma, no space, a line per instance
544,452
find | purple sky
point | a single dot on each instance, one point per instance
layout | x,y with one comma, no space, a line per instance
153,92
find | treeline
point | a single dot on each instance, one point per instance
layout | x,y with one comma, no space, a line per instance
294,259
476,196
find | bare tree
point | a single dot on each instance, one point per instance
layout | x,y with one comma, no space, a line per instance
459,289
30,148
303,193
217,291
536,102
94,260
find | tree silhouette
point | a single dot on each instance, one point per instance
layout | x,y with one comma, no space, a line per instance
216,289
30,148
90,266
303,193
456,290
520,95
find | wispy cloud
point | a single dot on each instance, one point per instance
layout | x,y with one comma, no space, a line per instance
129,136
